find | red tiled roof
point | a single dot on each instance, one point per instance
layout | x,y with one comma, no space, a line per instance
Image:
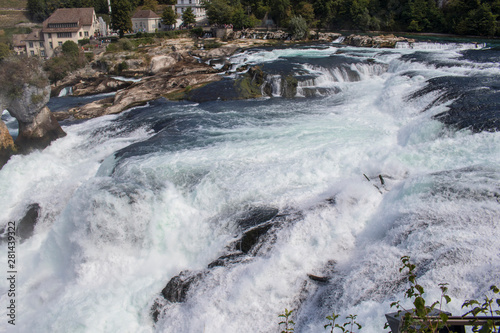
140,14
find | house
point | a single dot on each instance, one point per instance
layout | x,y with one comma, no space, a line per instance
196,6
146,21
35,44
19,43
69,24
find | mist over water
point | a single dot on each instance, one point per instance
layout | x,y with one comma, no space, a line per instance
130,201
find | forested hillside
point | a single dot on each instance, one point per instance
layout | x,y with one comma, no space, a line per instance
472,17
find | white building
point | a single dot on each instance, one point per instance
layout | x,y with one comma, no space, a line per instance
196,6
146,21
69,24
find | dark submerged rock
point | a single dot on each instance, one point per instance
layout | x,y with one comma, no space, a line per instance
26,226
177,288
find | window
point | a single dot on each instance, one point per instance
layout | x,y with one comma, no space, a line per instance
86,33
42,53
51,45
50,35
32,52
64,35
41,44
59,43
189,1
31,44
63,25
80,34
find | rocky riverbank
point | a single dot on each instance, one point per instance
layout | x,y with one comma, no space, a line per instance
175,67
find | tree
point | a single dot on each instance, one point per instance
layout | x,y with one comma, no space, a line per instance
241,20
169,17
188,17
298,27
120,16
70,48
150,4
218,11
37,10
280,10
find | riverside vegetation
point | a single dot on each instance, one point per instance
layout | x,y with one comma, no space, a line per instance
419,319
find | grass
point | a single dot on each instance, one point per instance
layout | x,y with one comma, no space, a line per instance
11,18
17,4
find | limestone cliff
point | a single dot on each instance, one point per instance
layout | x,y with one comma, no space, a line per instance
25,96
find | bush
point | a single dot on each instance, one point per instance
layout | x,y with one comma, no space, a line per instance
121,67
197,32
4,51
70,48
125,44
298,27
84,41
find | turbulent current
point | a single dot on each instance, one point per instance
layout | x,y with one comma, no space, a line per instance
245,208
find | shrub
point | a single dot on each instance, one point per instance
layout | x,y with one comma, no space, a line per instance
125,44
298,27
197,32
84,41
70,48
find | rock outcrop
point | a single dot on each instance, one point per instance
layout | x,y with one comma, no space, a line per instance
99,85
180,75
7,148
386,41
26,97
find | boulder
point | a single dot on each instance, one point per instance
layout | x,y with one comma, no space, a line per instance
26,226
385,41
161,63
26,97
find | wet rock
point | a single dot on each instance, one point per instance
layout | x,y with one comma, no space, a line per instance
177,288
251,238
100,85
26,225
385,41
256,216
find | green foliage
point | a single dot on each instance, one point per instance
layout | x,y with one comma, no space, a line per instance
121,67
18,71
4,51
169,17
150,4
70,48
120,16
211,45
287,322
218,11
298,27
197,32
84,41
125,44
347,327
419,319
485,308
188,17
280,10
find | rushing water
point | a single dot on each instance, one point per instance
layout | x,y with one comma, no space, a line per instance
130,201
